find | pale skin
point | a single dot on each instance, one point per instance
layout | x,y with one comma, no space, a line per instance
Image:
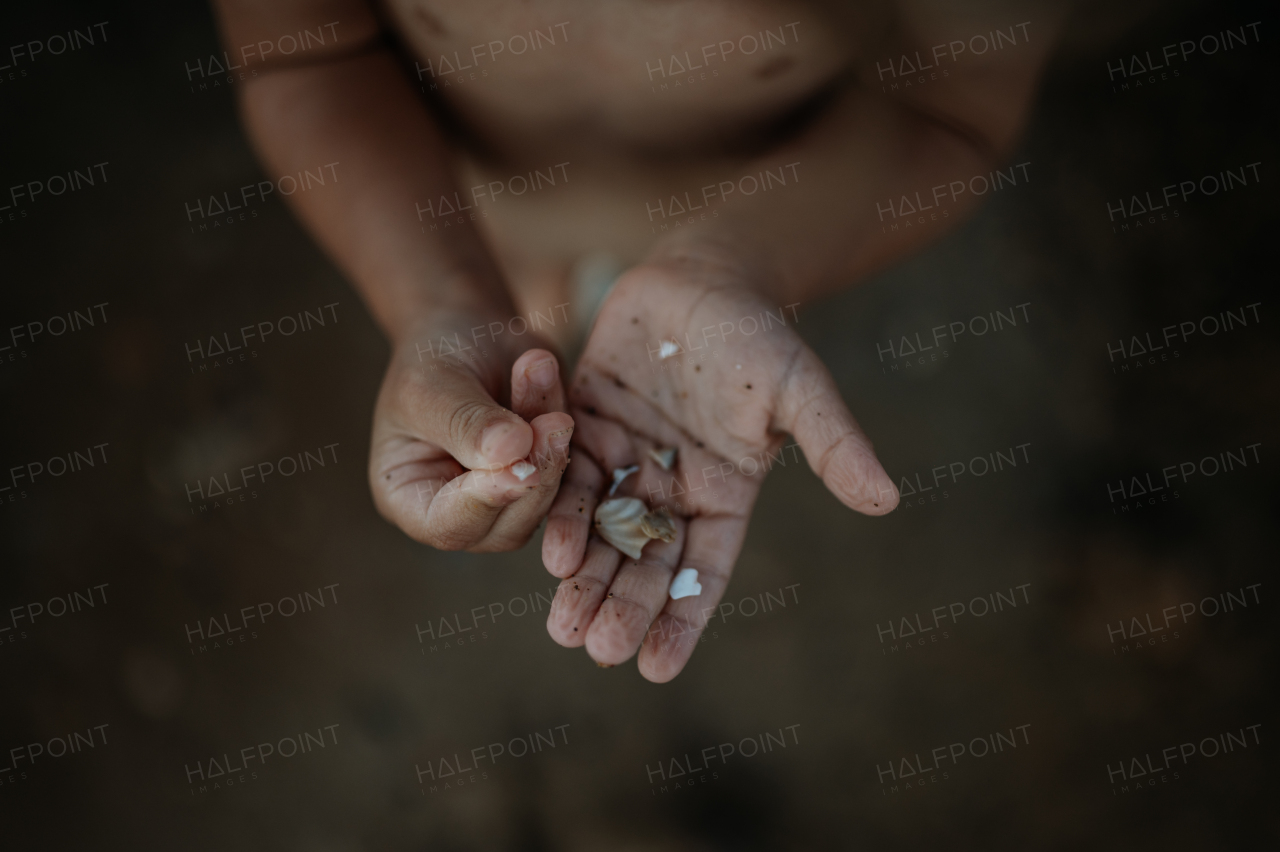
471,449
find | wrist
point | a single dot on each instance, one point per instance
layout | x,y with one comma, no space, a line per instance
480,334
724,258
448,305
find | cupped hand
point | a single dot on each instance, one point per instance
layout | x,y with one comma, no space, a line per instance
450,464
731,381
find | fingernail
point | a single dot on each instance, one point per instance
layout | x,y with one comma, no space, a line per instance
559,441
542,374
522,470
492,437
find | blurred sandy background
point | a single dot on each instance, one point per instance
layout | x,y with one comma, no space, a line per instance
817,663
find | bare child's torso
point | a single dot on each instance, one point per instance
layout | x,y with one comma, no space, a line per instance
619,103
639,76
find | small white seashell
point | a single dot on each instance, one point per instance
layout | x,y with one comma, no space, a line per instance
619,474
618,522
686,584
522,470
667,348
665,457
626,524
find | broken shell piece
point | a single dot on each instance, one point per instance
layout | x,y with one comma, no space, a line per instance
667,348
686,584
626,524
619,474
522,470
659,525
664,456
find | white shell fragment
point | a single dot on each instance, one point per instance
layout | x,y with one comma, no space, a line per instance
664,456
686,584
628,525
522,470
619,474
667,348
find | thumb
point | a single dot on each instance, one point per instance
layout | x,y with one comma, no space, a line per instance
453,410
810,408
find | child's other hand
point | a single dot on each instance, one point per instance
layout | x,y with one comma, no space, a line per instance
451,466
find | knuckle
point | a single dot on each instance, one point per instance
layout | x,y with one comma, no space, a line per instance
501,543
633,614
465,420
443,540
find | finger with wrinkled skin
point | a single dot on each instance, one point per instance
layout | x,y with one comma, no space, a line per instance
460,514
401,463
536,387
516,523
838,451
564,543
579,597
411,476
449,407
636,596
712,547
601,446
